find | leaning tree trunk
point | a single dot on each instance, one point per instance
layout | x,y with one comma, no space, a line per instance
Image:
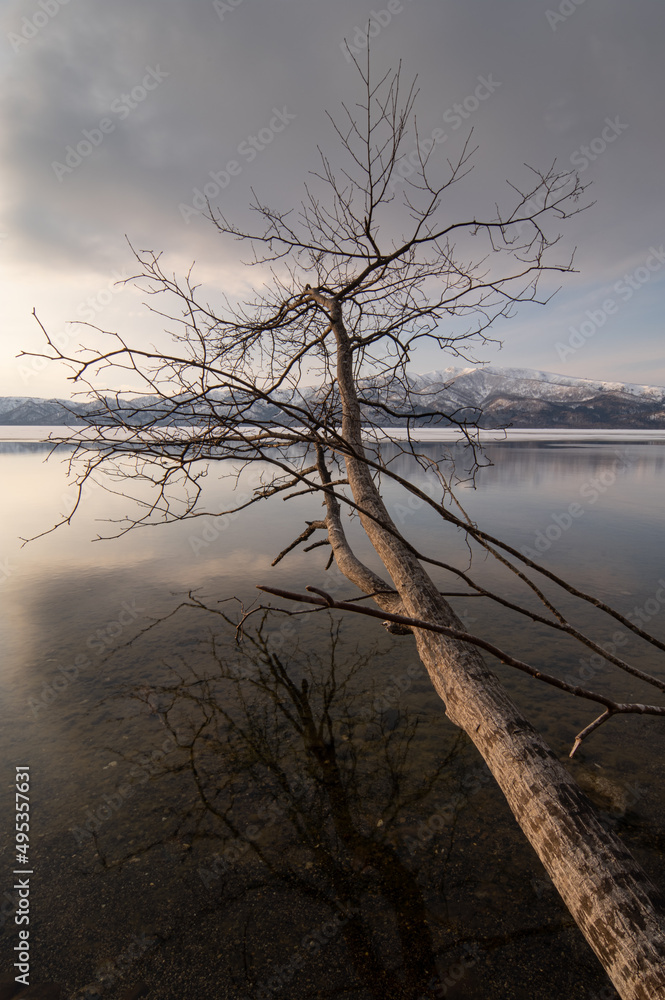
605,890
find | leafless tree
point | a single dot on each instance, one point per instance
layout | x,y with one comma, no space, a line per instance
368,267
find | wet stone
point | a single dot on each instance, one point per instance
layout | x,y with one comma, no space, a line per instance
140,990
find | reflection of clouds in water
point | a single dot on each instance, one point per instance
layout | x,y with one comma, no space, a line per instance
618,486
538,464
608,551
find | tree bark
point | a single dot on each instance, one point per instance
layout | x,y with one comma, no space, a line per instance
613,902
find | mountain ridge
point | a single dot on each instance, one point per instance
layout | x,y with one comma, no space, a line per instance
491,395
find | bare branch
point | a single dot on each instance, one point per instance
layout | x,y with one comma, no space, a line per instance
408,623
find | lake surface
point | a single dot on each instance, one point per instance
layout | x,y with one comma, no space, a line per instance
294,816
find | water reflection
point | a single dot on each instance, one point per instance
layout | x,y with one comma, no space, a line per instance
329,829
297,788
534,466
266,835
28,448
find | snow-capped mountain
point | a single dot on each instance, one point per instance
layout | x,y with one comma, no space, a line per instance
523,397
29,411
493,396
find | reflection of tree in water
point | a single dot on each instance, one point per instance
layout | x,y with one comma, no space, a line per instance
302,788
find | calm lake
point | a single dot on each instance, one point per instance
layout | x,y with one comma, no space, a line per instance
293,816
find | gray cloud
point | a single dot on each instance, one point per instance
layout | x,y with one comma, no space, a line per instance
223,76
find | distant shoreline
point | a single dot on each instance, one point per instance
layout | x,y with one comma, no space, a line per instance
22,433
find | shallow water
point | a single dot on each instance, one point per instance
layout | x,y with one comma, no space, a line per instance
295,816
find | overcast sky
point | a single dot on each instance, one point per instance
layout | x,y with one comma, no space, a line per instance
157,94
